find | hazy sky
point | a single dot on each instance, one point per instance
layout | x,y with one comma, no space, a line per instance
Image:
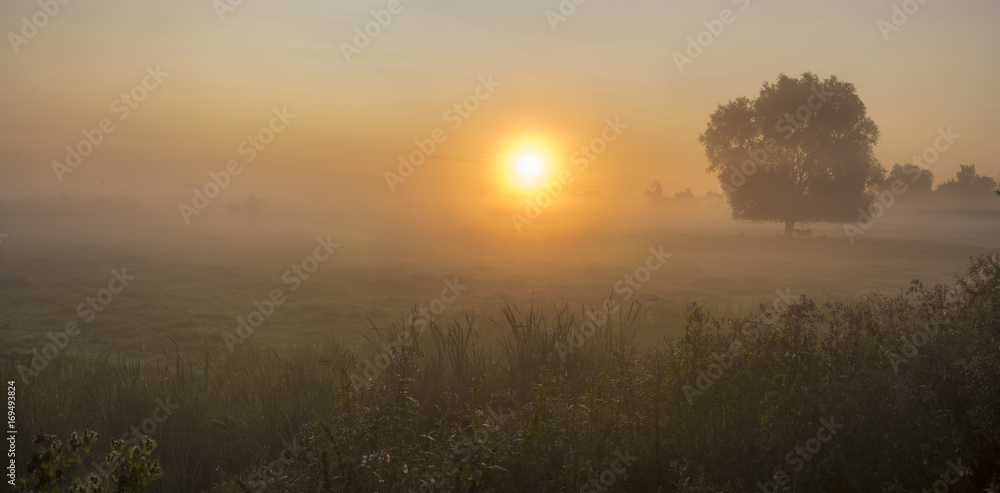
557,87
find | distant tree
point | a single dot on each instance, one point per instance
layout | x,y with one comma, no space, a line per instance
919,181
967,184
655,192
685,198
253,206
802,151
712,198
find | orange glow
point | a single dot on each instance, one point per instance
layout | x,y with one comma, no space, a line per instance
526,203
527,165
530,171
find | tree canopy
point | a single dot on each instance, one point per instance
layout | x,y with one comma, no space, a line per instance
967,184
802,151
920,182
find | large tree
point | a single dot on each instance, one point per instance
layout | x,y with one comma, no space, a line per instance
802,151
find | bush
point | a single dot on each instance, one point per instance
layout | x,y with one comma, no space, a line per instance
886,394
58,466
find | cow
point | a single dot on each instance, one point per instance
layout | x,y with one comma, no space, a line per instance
804,233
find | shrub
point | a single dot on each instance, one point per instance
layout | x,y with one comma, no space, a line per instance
57,466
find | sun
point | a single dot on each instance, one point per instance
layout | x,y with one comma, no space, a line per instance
530,171
526,163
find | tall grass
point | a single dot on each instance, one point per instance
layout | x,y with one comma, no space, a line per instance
732,405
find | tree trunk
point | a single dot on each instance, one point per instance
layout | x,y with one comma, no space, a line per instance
789,228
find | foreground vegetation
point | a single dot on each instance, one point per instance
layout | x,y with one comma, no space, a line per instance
889,394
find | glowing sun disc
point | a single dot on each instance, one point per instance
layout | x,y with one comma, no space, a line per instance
530,171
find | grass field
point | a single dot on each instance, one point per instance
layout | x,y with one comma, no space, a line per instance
284,411
193,298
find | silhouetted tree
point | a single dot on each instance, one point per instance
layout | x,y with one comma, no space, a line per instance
967,184
919,181
802,151
712,198
685,198
655,192
253,206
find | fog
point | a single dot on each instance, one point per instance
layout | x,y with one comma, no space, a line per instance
343,246
578,251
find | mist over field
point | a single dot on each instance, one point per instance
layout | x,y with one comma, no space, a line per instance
525,246
384,267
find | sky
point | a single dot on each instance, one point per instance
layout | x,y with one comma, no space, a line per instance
556,82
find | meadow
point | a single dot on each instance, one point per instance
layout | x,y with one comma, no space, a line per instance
742,362
516,246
